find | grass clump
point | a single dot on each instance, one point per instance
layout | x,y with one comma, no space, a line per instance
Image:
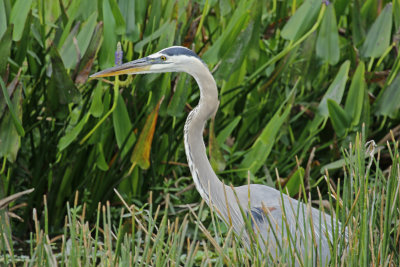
366,202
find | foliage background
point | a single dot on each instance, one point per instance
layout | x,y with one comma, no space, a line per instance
297,80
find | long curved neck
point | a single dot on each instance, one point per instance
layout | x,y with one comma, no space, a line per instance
205,179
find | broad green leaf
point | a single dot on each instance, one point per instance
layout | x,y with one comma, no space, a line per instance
396,14
85,34
72,135
74,9
254,49
180,96
162,155
140,12
85,64
3,18
335,90
106,54
168,10
87,7
366,114
101,162
259,151
369,10
34,63
5,49
22,45
164,83
154,16
4,101
389,103
69,50
66,32
355,98
63,13
18,16
236,55
340,7
378,37
340,120
238,29
204,14
225,7
358,31
123,127
36,34
141,152
13,108
10,136
60,90
302,20
155,35
96,107
128,9
223,135
72,12
66,89
236,24
229,96
168,37
65,186
216,158
327,46
294,183
119,19
130,183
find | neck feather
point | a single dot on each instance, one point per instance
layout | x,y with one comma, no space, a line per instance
204,177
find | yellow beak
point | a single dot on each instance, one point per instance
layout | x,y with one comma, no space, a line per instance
136,66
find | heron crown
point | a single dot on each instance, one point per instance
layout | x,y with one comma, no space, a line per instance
178,51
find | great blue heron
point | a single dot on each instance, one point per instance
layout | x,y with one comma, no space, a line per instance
275,217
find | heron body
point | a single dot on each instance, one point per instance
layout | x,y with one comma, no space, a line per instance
278,220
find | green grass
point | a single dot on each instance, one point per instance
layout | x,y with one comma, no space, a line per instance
156,236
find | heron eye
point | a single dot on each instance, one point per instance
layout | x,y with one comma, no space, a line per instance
163,58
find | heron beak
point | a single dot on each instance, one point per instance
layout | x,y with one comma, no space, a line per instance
136,66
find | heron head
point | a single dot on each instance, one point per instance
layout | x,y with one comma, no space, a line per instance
172,59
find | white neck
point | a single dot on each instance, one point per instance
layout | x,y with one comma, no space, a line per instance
204,177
